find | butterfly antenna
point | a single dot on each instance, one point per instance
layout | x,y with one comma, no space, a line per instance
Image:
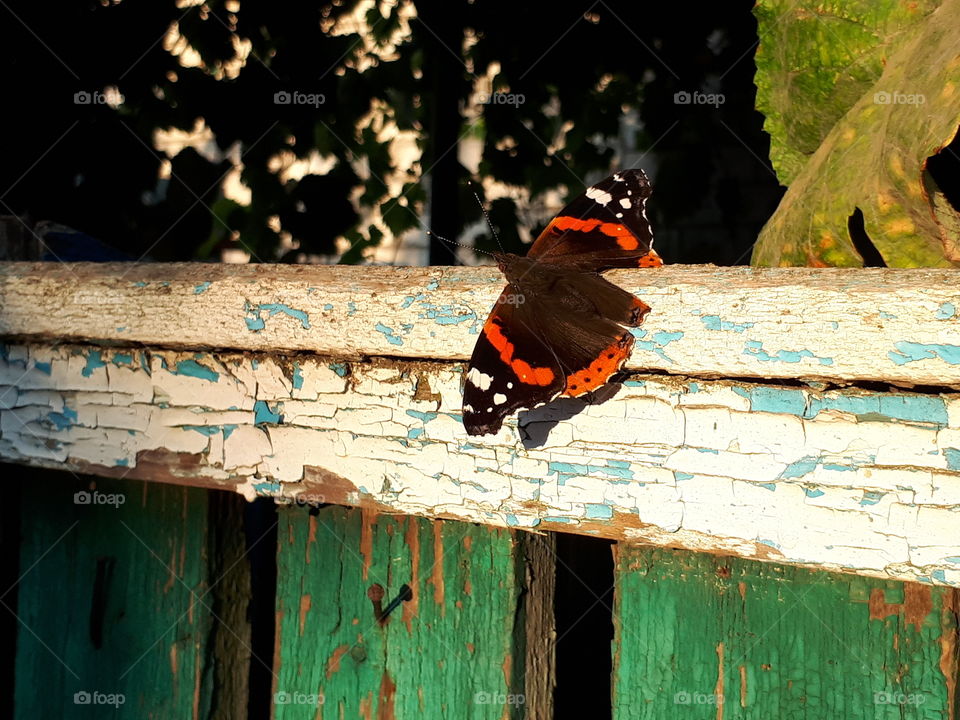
454,242
486,216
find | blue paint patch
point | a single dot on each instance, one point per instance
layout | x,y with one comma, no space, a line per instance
755,349
254,363
556,519
122,359
208,430
140,284
455,416
351,308
62,421
446,314
411,299
264,415
946,311
201,288
769,543
192,368
121,462
939,575
812,492
565,470
774,400
634,383
839,468
433,285
145,366
121,328
768,486
512,520
953,559
598,511
908,352
799,468
328,306
909,408
871,497
887,316
255,321
388,333
657,342
44,367
423,417
414,433
693,388
297,376
707,450
834,325
713,322
953,458
679,476
94,361
267,488
339,368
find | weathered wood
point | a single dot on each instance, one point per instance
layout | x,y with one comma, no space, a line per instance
897,326
113,602
699,636
843,479
446,653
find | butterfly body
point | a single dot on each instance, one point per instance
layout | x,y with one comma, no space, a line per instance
559,327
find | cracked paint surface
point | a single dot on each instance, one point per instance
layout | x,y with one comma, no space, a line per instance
843,479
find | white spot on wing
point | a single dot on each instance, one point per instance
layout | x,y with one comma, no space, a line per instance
624,202
619,215
499,399
468,408
509,386
481,380
602,197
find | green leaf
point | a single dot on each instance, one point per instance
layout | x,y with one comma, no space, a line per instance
875,159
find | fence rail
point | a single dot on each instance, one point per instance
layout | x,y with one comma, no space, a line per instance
765,423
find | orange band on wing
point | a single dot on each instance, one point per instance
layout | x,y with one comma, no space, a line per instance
524,371
625,239
600,370
651,259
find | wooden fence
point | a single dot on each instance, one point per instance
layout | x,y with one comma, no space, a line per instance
804,418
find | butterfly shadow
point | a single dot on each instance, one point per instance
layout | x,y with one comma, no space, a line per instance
535,425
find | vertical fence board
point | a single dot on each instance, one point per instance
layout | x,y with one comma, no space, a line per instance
112,602
701,636
446,653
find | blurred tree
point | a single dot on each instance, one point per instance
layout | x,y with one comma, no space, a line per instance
336,85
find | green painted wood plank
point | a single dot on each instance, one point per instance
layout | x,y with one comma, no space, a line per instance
110,602
447,653
701,636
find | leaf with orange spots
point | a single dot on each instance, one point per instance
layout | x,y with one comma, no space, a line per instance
887,156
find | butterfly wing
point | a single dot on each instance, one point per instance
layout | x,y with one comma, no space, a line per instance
605,227
511,368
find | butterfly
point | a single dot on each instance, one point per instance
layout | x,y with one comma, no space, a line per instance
559,328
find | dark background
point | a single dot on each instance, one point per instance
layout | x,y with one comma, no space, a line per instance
598,80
